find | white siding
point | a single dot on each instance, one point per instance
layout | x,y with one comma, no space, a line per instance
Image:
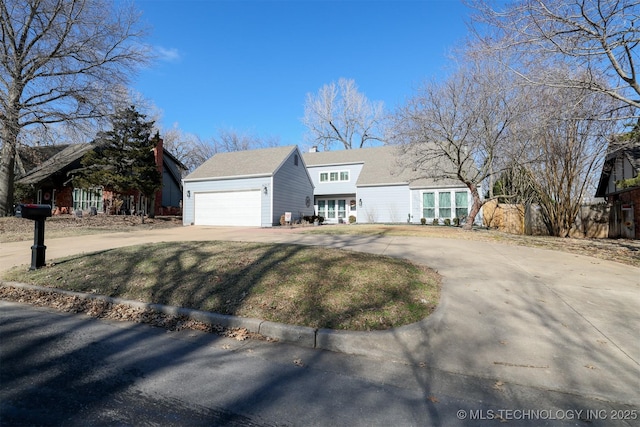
339,187
417,208
191,188
384,204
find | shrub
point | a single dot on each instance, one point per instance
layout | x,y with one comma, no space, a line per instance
447,221
435,221
313,218
423,221
352,219
282,221
456,221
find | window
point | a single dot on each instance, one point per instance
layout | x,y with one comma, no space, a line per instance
334,176
295,159
321,208
85,198
462,204
342,208
331,209
444,205
428,205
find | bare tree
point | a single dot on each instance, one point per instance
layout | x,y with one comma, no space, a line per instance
461,128
186,147
193,151
598,38
59,63
339,115
229,140
559,167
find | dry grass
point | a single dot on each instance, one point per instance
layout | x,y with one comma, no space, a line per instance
625,251
17,229
292,284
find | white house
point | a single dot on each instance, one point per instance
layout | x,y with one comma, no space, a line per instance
373,185
248,188
256,187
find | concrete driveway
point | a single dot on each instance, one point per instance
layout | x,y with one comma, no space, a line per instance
545,319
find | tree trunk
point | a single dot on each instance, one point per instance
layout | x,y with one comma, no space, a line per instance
10,127
7,164
475,208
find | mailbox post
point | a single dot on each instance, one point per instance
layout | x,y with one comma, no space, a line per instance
37,213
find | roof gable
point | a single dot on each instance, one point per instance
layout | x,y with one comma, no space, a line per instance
66,157
259,162
618,149
56,163
30,157
381,166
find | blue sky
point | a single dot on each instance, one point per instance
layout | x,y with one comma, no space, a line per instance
248,65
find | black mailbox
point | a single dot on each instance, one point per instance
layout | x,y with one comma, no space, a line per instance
32,211
37,213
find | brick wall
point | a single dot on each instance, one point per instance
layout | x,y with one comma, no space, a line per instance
632,197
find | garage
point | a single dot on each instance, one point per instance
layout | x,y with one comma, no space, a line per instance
236,208
251,188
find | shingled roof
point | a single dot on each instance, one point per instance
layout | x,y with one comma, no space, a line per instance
236,164
618,149
30,157
381,166
55,163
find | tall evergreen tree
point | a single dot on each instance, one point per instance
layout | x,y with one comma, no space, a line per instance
123,159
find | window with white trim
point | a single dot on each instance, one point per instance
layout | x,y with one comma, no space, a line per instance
85,198
462,204
428,205
445,204
334,176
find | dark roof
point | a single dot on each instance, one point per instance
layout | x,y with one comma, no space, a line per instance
618,149
55,163
260,162
28,157
65,157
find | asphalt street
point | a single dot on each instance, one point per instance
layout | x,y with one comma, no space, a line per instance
64,369
522,335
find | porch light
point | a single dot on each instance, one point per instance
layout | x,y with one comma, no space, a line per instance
360,202
188,193
265,190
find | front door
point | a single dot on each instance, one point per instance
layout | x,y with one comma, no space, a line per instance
333,210
628,225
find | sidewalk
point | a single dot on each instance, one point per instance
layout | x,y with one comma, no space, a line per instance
518,315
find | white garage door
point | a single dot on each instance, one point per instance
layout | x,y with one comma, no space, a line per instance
228,208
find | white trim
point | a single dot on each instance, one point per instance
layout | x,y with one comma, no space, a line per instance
436,202
390,184
329,172
226,178
270,204
319,165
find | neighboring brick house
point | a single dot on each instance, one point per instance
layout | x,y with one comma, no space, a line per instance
50,182
622,163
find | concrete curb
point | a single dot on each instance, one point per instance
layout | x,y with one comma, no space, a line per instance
299,335
349,342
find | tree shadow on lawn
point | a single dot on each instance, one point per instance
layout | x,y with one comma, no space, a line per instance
295,284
